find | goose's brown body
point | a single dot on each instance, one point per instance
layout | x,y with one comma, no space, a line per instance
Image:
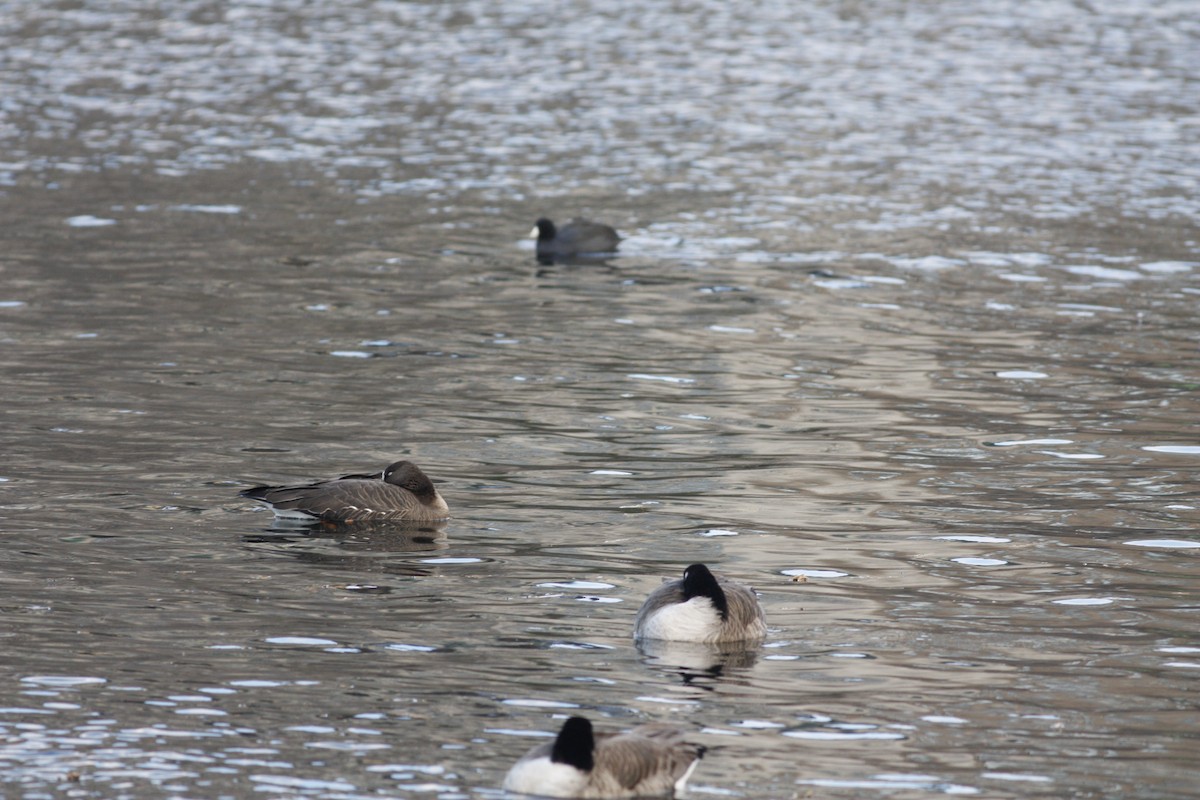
401,493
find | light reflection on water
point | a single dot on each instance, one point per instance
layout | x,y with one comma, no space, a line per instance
902,333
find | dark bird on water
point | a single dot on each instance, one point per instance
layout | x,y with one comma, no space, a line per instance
401,493
577,238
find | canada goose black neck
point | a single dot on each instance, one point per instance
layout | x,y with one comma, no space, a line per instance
575,745
408,475
546,230
699,582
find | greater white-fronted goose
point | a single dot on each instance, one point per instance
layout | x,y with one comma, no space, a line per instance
401,493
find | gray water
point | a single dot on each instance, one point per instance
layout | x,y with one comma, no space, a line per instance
902,332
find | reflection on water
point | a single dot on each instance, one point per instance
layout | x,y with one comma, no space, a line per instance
700,666
361,547
901,332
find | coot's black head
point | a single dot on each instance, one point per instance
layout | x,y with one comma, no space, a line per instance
575,744
408,475
546,230
699,582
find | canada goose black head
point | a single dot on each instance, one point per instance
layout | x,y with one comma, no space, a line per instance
575,745
698,581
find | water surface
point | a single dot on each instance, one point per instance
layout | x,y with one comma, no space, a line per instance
902,333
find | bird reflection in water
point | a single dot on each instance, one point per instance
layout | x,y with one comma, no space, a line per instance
699,665
364,546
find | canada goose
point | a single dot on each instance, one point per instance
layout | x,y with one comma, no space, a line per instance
650,760
577,237
700,607
401,493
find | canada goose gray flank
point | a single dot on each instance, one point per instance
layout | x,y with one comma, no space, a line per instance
401,493
650,760
577,237
701,607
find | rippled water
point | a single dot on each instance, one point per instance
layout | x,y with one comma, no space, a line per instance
903,332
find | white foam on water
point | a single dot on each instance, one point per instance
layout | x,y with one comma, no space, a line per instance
1015,442
208,209
1071,456
578,585
964,537
89,221
1168,266
1106,273
816,573
1021,374
717,532
642,376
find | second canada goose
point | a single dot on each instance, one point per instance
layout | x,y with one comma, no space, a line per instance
577,237
401,493
701,607
650,760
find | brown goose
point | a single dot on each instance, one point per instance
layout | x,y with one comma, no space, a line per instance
401,493
650,760
577,237
701,607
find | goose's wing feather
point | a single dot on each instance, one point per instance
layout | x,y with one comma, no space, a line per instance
362,476
668,594
744,609
352,499
282,496
344,499
650,758
543,750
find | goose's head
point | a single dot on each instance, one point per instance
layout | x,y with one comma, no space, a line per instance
575,745
699,582
408,475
